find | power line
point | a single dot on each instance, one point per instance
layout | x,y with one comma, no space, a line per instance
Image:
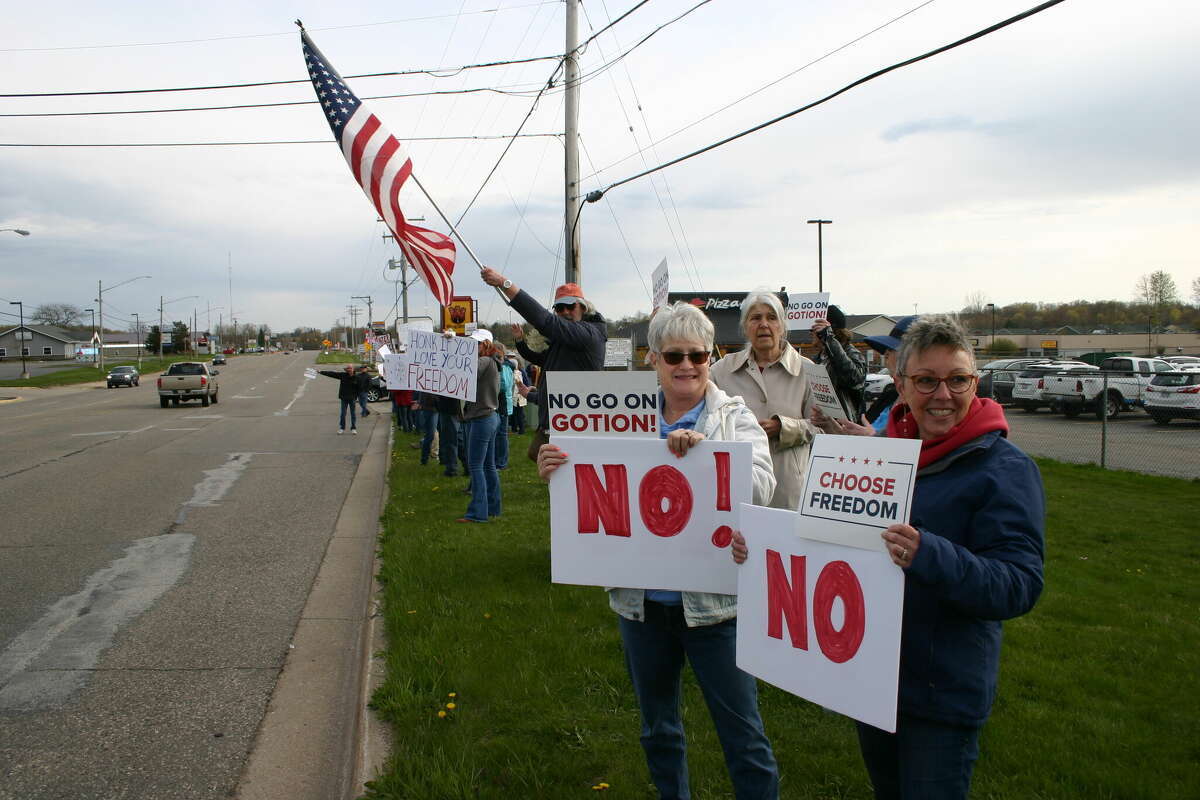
280,141
450,72
762,88
269,35
596,195
611,24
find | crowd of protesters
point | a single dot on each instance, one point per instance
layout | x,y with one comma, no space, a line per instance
972,553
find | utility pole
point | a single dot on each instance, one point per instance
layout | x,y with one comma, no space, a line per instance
370,306
137,324
571,129
160,329
100,341
820,223
22,333
352,310
93,311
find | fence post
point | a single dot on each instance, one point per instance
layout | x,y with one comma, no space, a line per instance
1104,424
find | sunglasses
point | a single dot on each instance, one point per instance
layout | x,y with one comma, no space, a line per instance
560,307
674,357
927,384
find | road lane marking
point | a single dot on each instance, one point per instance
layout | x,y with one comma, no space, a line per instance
206,416
248,397
183,429
53,658
113,433
299,393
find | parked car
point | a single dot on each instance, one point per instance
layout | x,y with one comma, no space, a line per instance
877,382
997,378
1182,361
1173,395
1119,387
188,380
123,376
377,390
218,359
1029,389
228,351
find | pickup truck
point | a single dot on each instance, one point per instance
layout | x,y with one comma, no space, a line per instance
1118,386
188,380
1029,388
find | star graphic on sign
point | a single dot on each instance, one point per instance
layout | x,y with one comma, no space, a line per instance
854,461
841,458
879,462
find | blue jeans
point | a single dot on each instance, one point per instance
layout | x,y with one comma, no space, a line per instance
448,435
362,401
654,653
342,419
481,462
427,420
922,759
501,440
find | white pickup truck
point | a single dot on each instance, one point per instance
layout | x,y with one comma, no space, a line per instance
1118,386
188,380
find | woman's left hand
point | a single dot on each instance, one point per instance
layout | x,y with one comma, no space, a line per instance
680,441
772,427
903,541
738,549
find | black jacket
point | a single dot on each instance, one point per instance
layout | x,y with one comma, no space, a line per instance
574,346
347,384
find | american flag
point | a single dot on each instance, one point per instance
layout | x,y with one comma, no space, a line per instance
381,165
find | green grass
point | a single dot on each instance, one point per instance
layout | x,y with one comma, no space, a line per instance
1097,697
88,374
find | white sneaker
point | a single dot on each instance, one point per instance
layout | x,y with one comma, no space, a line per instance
341,431
354,431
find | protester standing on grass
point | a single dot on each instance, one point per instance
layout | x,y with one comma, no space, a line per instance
347,394
770,377
427,423
479,428
575,332
661,629
846,366
504,406
972,556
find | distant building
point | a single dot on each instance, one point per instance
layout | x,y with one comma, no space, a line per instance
39,342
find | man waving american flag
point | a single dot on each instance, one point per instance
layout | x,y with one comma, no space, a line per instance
381,165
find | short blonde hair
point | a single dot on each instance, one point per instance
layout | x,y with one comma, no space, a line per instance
679,321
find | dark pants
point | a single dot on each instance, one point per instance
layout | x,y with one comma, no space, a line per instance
362,401
654,653
427,423
342,419
502,441
922,760
516,420
448,444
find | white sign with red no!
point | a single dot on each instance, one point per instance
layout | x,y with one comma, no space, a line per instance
627,512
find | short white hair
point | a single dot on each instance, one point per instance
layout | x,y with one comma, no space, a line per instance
679,321
761,297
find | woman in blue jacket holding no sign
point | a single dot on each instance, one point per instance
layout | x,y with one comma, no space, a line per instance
972,556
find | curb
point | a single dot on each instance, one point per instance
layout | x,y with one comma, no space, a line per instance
317,740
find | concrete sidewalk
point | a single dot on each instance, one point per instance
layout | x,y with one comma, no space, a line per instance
318,740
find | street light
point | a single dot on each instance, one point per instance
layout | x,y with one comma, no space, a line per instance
820,223
20,333
160,321
100,290
137,324
17,231
992,306
93,312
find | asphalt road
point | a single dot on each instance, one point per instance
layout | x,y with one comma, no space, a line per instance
1132,441
153,566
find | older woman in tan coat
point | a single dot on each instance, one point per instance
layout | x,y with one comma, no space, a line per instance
771,378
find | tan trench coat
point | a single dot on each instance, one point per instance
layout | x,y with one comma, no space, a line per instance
782,392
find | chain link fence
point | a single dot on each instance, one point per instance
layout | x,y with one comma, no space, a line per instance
1089,416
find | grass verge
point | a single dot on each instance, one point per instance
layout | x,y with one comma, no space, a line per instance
340,357
90,374
1096,698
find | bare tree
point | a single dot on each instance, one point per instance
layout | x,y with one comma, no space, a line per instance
61,315
1196,291
1157,289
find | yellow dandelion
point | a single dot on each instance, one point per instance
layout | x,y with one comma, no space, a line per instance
603,785
441,715
413,611
487,616
453,694
451,706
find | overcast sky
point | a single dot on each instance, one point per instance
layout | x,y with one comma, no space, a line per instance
1054,160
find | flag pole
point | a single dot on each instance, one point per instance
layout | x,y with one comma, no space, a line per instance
456,234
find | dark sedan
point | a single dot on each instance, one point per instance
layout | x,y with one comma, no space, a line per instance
123,376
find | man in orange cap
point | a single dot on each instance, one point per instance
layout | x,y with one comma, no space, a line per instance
576,334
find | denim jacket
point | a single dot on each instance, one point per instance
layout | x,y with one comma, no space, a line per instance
724,418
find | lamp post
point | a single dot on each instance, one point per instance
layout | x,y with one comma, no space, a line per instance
160,322
17,231
100,290
992,306
820,223
93,313
20,333
137,324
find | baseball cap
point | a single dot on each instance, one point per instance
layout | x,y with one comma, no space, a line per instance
882,344
481,335
569,293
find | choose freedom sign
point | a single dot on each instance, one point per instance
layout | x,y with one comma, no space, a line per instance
626,512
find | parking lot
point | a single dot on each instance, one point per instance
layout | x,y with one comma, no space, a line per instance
1131,441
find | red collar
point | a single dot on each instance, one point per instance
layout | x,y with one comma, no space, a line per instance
983,416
